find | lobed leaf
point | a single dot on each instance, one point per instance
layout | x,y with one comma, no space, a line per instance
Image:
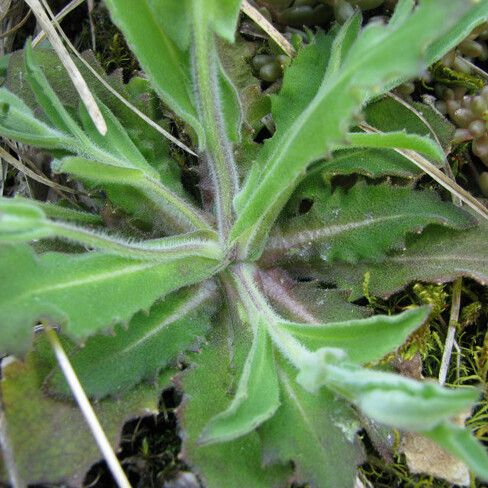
438,255
208,387
84,293
357,224
149,343
256,398
317,432
375,58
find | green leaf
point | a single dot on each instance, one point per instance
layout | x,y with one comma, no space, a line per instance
374,163
84,293
399,140
19,123
32,417
307,302
388,398
463,445
47,98
358,224
256,398
22,221
475,16
179,212
316,432
208,387
149,343
116,141
223,15
438,255
61,212
376,57
164,62
389,114
148,139
363,340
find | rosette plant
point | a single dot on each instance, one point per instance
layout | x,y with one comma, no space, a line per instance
248,276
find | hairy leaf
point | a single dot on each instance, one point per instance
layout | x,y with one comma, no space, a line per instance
24,221
256,398
316,432
149,343
307,302
358,224
476,15
164,62
115,149
363,340
400,140
208,387
62,212
115,174
137,91
385,397
436,255
376,57
370,162
18,122
48,100
389,114
84,293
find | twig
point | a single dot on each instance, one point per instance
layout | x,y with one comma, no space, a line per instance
86,409
268,27
73,71
451,331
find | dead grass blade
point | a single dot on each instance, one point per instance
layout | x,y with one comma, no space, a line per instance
7,157
436,174
116,94
268,27
73,72
58,17
86,409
